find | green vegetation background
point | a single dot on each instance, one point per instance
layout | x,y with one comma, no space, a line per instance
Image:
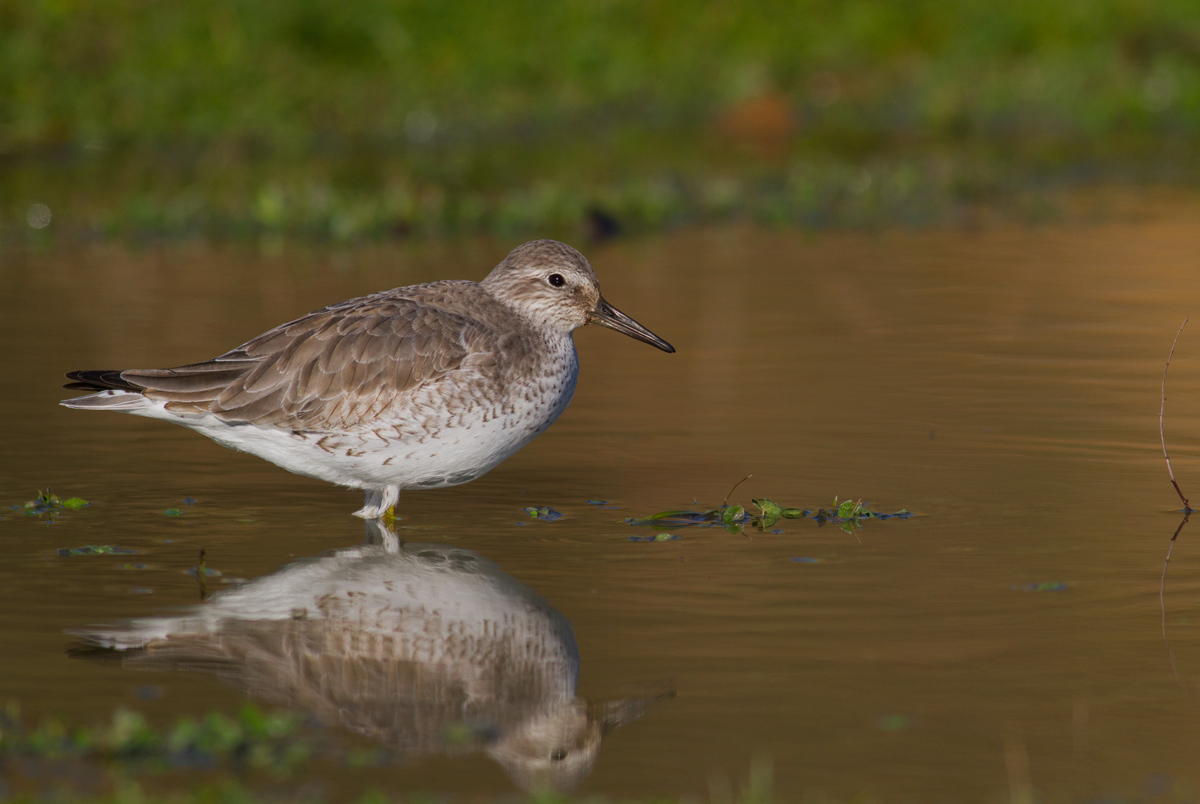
360,118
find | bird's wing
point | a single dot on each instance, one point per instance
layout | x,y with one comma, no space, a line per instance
332,369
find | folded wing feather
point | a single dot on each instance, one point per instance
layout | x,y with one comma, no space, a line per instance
329,369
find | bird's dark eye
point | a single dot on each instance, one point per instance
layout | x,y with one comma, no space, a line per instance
559,754
556,280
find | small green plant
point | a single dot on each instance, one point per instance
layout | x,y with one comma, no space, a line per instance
51,505
543,513
847,514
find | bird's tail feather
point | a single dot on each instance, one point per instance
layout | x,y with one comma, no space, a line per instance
111,391
100,380
107,400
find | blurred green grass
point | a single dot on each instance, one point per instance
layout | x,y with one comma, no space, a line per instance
340,119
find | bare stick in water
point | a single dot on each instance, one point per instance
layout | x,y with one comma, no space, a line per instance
1162,592
732,490
1187,508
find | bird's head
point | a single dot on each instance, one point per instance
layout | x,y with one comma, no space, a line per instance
552,285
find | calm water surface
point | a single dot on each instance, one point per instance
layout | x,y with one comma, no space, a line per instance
1003,384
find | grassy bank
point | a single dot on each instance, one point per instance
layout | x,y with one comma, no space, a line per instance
372,119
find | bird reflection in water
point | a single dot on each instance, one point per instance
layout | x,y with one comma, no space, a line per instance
423,647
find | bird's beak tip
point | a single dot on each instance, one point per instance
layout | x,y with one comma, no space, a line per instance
607,315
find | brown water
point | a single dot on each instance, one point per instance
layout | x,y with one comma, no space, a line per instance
1001,383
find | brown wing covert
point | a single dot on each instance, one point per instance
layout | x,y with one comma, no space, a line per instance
335,368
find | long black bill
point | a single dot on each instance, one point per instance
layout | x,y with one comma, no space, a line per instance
607,315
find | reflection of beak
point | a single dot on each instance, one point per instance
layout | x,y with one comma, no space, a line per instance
622,712
607,315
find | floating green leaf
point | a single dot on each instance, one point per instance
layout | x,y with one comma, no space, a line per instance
769,513
768,508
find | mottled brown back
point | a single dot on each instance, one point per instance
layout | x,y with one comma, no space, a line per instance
335,368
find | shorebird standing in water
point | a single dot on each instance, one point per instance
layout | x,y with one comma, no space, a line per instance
423,386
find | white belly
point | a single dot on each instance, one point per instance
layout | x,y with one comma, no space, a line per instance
422,443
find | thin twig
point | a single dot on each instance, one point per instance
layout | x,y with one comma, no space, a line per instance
732,490
1162,588
1187,508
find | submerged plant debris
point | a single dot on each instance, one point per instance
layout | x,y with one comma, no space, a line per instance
1055,586
658,537
846,514
542,513
201,569
198,570
95,550
50,505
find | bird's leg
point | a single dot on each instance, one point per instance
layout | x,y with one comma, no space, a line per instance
370,509
387,518
380,504
381,534
391,496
